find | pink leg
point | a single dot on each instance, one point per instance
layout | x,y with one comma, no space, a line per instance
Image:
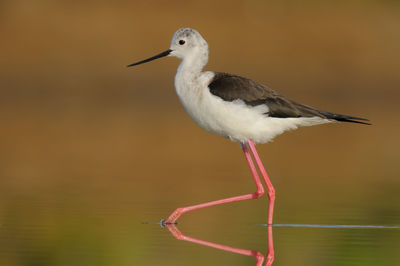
270,187
259,257
271,253
178,235
260,191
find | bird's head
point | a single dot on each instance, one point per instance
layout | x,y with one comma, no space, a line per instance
185,43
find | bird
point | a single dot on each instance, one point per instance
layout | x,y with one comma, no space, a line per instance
236,108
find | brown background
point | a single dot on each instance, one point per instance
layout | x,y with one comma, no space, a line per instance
87,145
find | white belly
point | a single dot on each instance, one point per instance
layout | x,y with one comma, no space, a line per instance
235,120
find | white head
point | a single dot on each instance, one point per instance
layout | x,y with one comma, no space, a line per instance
186,44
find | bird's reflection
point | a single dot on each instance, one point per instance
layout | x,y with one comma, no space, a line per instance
269,258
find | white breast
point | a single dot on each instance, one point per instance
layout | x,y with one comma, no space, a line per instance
234,120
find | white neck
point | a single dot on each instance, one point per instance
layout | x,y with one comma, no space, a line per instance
192,64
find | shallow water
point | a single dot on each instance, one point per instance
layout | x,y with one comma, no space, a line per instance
48,233
102,215
94,196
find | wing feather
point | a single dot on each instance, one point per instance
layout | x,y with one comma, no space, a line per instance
231,87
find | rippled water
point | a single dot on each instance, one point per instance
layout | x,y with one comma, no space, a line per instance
78,229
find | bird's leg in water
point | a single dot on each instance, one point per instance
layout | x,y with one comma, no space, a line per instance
270,187
260,190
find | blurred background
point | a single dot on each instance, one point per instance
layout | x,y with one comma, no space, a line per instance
90,149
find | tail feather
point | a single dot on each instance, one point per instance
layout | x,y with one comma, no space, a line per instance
346,118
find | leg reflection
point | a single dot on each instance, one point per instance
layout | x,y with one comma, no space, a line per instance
259,257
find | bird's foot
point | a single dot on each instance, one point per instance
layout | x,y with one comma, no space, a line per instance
165,223
172,218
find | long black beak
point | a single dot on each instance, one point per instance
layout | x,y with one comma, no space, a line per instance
165,53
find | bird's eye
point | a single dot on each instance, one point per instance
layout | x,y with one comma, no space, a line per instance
181,42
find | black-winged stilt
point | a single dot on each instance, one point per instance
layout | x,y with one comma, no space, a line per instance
236,108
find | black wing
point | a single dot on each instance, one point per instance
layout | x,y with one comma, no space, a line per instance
231,87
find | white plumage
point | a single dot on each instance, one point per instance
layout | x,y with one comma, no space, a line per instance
232,119
232,106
